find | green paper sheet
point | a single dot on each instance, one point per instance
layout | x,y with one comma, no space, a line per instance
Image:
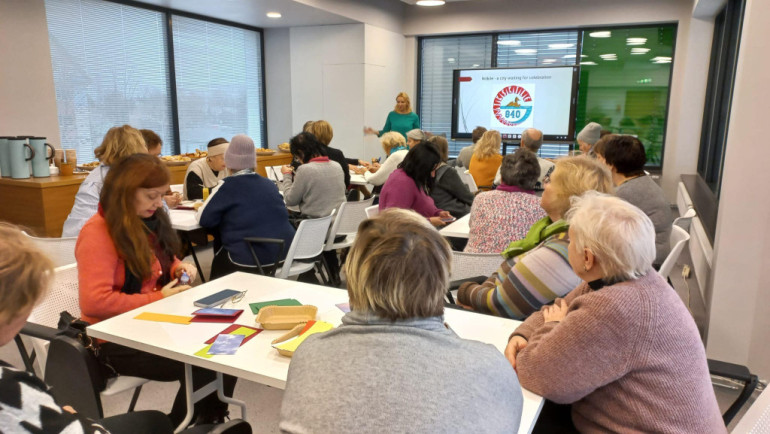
255,307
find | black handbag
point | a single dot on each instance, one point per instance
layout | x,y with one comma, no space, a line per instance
75,328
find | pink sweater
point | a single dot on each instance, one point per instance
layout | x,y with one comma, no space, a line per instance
400,191
627,356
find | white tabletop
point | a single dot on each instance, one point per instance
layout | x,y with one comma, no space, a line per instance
356,179
257,360
459,229
183,219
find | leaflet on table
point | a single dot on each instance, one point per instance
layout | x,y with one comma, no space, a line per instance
235,329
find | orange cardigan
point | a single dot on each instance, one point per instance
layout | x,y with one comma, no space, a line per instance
101,274
484,171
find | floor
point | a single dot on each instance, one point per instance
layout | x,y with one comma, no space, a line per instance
263,402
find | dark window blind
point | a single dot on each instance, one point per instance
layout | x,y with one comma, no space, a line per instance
218,80
110,68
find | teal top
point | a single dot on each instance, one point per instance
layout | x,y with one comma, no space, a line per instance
400,123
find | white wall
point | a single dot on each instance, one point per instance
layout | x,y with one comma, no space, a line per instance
27,95
740,291
278,86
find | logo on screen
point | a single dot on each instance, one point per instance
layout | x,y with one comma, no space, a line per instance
513,105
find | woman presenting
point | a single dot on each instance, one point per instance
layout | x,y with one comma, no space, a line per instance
402,119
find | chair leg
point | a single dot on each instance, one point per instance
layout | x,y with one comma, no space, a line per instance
450,298
27,358
134,398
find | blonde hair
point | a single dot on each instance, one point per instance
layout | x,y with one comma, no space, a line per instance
408,103
488,145
322,131
390,140
620,235
25,272
398,267
120,142
442,145
574,176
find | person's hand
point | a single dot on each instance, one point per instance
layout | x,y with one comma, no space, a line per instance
516,344
370,130
286,169
170,288
173,200
363,163
437,222
360,170
445,215
556,311
69,409
374,167
192,270
464,306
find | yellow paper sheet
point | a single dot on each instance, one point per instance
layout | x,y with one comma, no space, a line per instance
293,343
162,317
243,331
204,352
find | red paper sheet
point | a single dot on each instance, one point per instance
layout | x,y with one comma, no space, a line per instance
216,318
233,328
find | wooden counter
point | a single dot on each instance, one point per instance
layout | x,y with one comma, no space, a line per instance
41,205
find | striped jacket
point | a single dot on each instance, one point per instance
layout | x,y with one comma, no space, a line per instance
524,283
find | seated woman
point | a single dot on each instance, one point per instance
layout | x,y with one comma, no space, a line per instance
395,148
126,259
244,205
621,347
317,186
393,365
154,145
323,131
449,192
206,172
537,271
117,143
408,186
25,275
486,159
507,213
625,157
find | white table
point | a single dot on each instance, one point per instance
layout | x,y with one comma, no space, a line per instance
356,179
183,220
257,360
458,229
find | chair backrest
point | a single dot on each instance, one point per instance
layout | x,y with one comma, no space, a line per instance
308,242
467,178
466,265
678,241
351,214
757,417
60,250
372,211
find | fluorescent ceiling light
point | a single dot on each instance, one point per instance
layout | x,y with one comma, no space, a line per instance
510,42
588,63
604,34
451,59
475,65
661,61
608,56
274,15
661,58
572,56
526,51
560,46
549,60
636,41
639,50
430,2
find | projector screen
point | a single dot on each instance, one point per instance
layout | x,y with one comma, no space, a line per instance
513,99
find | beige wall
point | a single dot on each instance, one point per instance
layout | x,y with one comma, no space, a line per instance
27,96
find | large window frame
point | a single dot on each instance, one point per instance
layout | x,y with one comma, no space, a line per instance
553,148
169,14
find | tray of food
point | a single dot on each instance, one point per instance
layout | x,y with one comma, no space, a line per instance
88,166
175,160
284,147
285,317
265,152
196,155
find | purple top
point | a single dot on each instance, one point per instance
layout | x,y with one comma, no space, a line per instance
400,191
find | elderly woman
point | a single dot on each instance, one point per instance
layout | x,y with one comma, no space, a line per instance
118,143
323,131
507,213
394,145
621,347
486,159
449,192
536,270
625,157
205,173
393,366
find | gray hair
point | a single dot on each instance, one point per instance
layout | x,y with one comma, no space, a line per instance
620,235
520,169
530,140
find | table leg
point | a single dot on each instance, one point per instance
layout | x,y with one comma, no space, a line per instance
224,398
186,239
193,396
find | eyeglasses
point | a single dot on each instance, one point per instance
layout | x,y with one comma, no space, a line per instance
547,179
234,299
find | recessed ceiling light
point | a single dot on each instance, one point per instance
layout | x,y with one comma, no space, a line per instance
639,50
510,42
560,46
603,34
274,15
526,51
636,41
588,63
430,2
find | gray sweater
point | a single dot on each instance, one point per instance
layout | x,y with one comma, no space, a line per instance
316,187
372,375
646,195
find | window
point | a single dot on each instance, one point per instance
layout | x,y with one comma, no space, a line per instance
218,82
113,65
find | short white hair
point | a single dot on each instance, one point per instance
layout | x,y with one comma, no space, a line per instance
620,235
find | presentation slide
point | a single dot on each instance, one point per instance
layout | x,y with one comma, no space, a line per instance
512,100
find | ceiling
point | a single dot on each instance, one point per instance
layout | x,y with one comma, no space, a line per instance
252,12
